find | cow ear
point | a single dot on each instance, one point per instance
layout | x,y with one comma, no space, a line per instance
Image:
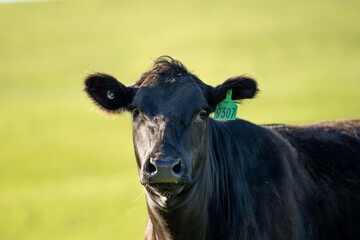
108,93
242,88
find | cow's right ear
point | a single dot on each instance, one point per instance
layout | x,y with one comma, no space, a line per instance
108,93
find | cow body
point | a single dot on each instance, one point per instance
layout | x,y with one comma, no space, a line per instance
330,154
207,179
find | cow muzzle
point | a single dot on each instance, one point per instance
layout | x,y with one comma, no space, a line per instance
164,170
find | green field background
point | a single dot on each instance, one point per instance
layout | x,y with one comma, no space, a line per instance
67,170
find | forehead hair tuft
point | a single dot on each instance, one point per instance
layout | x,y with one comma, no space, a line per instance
164,66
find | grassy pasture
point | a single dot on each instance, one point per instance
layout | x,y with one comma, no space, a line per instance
67,171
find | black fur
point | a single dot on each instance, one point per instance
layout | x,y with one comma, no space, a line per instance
330,153
238,180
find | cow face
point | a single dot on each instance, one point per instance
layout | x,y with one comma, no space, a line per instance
169,133
170,109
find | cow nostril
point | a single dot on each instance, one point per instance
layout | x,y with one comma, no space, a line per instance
177,168
151,167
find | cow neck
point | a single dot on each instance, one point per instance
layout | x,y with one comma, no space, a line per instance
230,205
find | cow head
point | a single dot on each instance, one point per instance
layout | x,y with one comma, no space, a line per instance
170,110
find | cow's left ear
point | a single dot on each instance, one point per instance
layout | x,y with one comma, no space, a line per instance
109,94
242,88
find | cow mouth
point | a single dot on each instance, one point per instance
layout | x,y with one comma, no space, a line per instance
167,190
165,187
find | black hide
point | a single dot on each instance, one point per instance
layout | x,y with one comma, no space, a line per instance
206,179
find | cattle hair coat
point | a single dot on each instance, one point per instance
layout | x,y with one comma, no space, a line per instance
250,182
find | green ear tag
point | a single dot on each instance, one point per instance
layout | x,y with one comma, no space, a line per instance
226,110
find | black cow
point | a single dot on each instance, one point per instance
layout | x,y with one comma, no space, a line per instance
207,179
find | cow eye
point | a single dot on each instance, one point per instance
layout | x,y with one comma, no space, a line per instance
203,114
135,112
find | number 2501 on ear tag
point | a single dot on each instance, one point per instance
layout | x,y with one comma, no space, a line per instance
226,109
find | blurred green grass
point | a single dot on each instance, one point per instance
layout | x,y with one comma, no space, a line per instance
68,171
